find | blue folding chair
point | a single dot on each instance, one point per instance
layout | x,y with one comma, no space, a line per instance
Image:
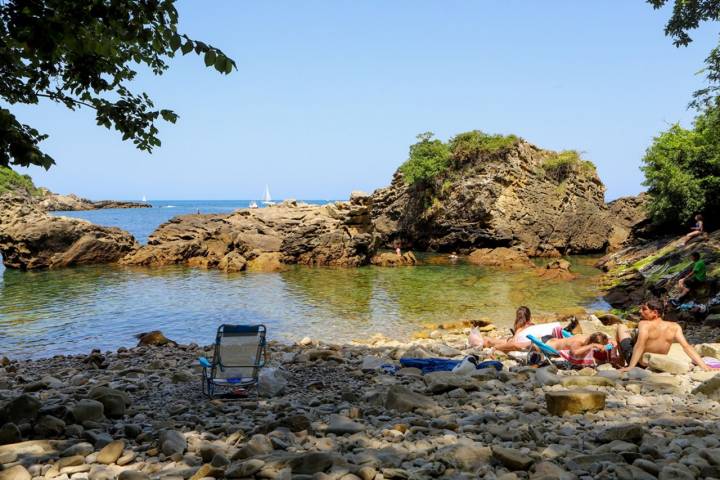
240,353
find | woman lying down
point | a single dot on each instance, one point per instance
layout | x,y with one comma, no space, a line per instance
547,332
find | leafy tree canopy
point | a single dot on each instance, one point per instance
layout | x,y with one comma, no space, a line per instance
682,170
687,16
85,54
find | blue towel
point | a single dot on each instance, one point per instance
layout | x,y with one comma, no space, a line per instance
427,365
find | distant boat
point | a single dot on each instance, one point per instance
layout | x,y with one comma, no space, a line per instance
267,200
253,204
144,199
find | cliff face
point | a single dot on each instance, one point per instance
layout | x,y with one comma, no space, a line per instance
504,199
31,238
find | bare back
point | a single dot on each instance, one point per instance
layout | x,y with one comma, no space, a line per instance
660,335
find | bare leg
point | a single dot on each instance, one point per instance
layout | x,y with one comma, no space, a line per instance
690,236
621,333
683,289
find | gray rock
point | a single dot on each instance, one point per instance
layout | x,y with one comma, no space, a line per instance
341,425
676,471
311,463
49,426
114,401
710,388
466,456
172,441
87,409
404,400
9,433
627,432
511,458
20,409
82,448
244,469
132,475
441,382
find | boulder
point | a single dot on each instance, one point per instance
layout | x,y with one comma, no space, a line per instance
9,433
404,400
17,472
32,239
574,401
311,463
48,426
630,432
441,382
665,363
340,425
244,469
708,350
511,458
466,456
501,257
556,270
391,259
114,401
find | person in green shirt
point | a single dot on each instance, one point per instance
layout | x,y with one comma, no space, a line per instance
695,278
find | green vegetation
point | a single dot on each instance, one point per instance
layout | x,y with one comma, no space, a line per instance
11,181
85,55
430,157
470,145
682,170
561,165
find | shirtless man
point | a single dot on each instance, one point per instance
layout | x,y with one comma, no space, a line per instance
653,335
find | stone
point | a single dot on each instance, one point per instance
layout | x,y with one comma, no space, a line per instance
404,400
49,426
81,449
544,376
87,409
583,462
311,463
500,257
341,425
664,363
676,471
206,471
111,452
512,458
709,388
17,472
585,381
244,469
9,433
133,475
574,401
182,376
708,350
257,445
371,362
466,456
271,382
20,409
631,432
172,442
114,401
550,471
441,382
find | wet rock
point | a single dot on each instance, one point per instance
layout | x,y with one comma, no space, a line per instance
155,337
87,409
172,442
574,401
404,400
388,259
512,458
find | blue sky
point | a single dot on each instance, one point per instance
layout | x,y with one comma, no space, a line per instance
329,94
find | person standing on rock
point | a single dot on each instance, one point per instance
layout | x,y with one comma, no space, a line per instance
653,335
695,278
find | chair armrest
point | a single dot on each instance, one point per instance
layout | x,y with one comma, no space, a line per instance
204,362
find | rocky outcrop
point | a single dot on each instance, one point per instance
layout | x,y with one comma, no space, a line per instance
264,239
31,238
503,199
54,202
627,217
652,270
500,257
392,259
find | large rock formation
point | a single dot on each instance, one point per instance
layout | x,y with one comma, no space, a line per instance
627,216
31,238
501,199
54,202
264,239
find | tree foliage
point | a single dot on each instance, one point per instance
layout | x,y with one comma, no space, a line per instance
561,165
687,15
682,170
11,181
86,54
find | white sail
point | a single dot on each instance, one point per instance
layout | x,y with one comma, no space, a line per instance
144,198
267,197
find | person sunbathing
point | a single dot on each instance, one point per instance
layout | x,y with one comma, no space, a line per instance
653,335
580,344
522,328
695,231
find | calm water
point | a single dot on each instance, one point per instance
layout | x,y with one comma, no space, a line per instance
73,310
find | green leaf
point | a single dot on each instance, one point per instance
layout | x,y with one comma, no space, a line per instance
175,42
210,57
220,63
187,48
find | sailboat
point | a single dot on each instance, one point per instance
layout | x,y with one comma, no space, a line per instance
267,200
144,199
253,204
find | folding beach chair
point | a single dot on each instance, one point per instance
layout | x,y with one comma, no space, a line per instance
240,352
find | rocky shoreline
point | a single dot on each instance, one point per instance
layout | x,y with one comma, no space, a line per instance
331,412
55,202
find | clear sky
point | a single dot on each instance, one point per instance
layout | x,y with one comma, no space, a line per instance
329,94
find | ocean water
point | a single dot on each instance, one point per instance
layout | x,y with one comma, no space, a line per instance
44,313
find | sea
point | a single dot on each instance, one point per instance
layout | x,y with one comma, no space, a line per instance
74,310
